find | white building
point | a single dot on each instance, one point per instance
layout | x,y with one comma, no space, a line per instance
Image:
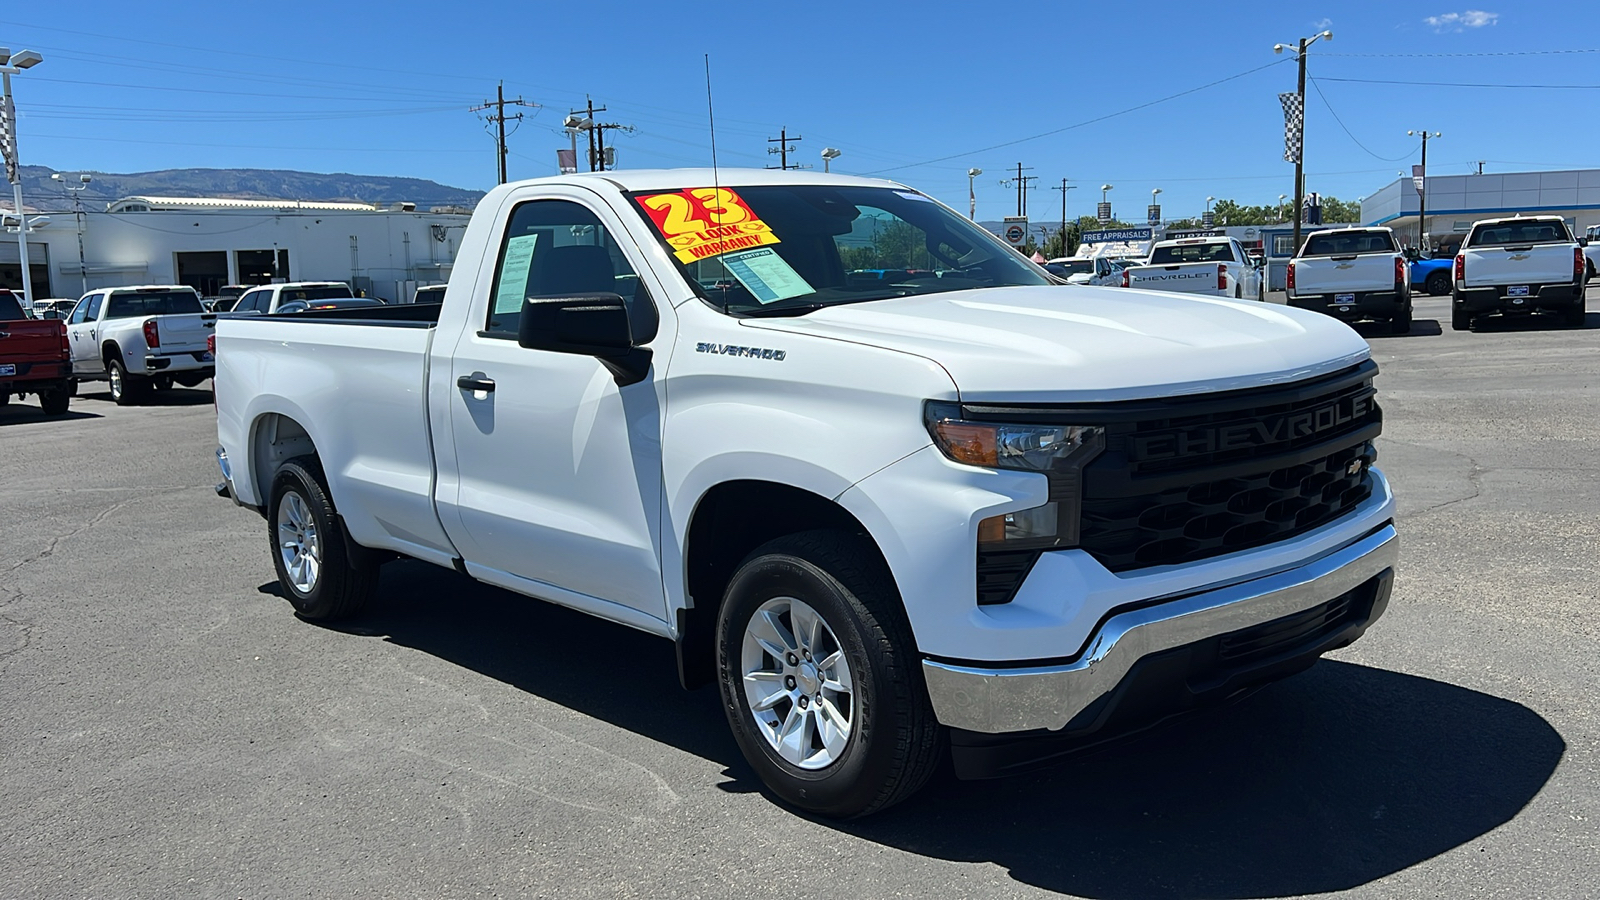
1456,201
210,242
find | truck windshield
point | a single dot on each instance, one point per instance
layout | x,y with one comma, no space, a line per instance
1519,233
1188,253
153,303
10,309
791,249
1349,243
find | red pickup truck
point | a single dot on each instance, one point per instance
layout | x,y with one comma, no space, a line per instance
34,357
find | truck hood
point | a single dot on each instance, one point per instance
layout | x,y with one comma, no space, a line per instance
1073,344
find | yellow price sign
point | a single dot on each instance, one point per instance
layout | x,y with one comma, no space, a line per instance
700,223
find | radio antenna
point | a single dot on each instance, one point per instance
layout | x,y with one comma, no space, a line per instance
716,179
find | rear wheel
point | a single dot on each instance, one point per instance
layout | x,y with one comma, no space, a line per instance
1401,324
1460,320
1575,315
54,401
126,389
820,679
308,546
1438,284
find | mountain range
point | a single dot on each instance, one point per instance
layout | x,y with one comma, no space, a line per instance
43,193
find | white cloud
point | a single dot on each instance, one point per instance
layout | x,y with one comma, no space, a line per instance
1461,21
1322,24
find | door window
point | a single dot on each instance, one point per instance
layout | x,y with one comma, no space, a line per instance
250,301
556,248
94,307
81,311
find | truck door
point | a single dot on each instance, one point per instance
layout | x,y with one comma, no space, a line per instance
82,333
559,469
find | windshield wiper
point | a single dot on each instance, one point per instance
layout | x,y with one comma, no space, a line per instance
777,312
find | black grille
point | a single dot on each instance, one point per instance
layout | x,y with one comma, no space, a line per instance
1209,518
1242,647
1000,573
1189,478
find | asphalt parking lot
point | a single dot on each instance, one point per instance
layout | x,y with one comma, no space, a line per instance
171,729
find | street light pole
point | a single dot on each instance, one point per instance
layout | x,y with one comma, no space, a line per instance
1300,158
10,65
1422,191
829,154
972,194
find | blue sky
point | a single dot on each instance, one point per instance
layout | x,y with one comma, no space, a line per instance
919,92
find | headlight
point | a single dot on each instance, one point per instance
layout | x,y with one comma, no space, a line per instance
1057,451
1031,448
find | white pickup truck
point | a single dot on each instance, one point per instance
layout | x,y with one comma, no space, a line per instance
265,300
142,337
1352,274
976,513
1213,266
1516,266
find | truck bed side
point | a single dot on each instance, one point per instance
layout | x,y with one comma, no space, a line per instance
356,392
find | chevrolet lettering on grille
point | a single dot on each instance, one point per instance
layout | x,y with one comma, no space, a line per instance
1245,435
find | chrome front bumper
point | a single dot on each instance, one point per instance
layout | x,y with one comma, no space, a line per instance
1002,700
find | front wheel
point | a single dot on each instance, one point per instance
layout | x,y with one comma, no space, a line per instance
819,677
308,547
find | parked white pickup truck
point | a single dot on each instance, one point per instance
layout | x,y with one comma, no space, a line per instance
977,512
138,338
1352,274
1518,265
266,299
1214,266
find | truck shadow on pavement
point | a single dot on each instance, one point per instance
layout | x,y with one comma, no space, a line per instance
1536,322
174,396
1419,328
1332,779
15,413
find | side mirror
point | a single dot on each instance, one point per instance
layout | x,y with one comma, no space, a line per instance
587,325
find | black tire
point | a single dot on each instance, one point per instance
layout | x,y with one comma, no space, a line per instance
5,397
1588,274
1438,284
126,390
1575,315
893,745
54,401
341,586
1238,292
1401,324
1460,320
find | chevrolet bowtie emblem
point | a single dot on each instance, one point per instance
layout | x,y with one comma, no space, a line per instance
1519,256
1345,266
1355,466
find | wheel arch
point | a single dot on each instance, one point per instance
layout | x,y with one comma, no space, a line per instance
274,439
730,520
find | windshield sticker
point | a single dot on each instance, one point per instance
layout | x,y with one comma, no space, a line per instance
699,223
765,275
514,273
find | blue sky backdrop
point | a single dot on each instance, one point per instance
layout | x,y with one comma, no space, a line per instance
918,92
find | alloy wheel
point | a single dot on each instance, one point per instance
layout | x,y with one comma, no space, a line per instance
798,683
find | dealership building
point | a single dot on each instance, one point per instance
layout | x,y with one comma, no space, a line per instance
385,251
1454,202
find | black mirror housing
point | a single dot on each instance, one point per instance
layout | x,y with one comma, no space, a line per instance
587,325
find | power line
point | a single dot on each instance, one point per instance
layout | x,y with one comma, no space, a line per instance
1111,115
1348,132
1447,55
1462,84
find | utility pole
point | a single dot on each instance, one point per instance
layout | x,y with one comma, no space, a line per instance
498,117
783,149
1300,157
1421,184
607,160
1063,189
1021,182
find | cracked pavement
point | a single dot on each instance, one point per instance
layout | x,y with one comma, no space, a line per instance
170,729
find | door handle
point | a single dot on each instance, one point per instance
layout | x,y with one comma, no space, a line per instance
475,383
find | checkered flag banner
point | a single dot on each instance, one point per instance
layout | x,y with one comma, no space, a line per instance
1294,121
8,146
